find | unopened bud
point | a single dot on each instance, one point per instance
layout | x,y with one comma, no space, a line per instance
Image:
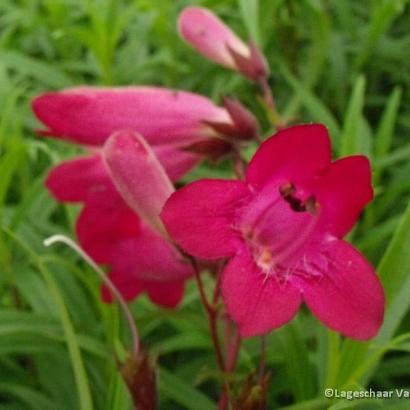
254,66
140,377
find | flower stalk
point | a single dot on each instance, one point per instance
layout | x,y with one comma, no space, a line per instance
212,314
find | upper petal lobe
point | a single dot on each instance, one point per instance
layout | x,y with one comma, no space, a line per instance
342,190
295,153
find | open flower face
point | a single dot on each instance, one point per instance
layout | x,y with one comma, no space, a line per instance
282,230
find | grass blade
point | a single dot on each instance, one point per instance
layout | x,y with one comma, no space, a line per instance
385,129
351,140
80,374
175,388
394,271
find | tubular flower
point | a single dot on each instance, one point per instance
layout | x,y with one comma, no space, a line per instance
132,243
174,123
282,231
205,32
169,120
140,258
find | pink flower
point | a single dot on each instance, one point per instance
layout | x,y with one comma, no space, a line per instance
281,230
171,121
140,258
205,32
175,123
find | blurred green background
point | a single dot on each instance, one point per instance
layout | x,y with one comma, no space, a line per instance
343,63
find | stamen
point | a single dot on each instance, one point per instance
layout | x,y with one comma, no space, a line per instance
288,191
312,205
265,261
266,257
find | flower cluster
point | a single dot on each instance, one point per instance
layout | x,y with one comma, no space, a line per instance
280,229
116,229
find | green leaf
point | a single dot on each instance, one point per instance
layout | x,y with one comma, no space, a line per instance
82,382
185,341
316,108
394,271
384,134
50,76
27,395
401,154
298,367
250,15
384,13
352,140
118,395
315,404
182,392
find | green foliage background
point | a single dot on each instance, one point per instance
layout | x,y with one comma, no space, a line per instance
343,63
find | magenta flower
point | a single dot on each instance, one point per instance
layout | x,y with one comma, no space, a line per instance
281,230
140,258
174,123
171,121
205,32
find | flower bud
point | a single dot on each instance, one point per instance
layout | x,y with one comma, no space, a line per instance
140,376
205,32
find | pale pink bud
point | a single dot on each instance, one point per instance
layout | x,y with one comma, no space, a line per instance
138,176
205,32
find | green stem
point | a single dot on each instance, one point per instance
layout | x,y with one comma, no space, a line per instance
333,359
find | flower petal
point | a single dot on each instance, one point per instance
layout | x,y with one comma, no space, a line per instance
199,217
89,115
294,153
149,257
73,180
104,221
342,190
347,296
176,162
129,287
256,302
205,32
166,294
111,233
138,176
